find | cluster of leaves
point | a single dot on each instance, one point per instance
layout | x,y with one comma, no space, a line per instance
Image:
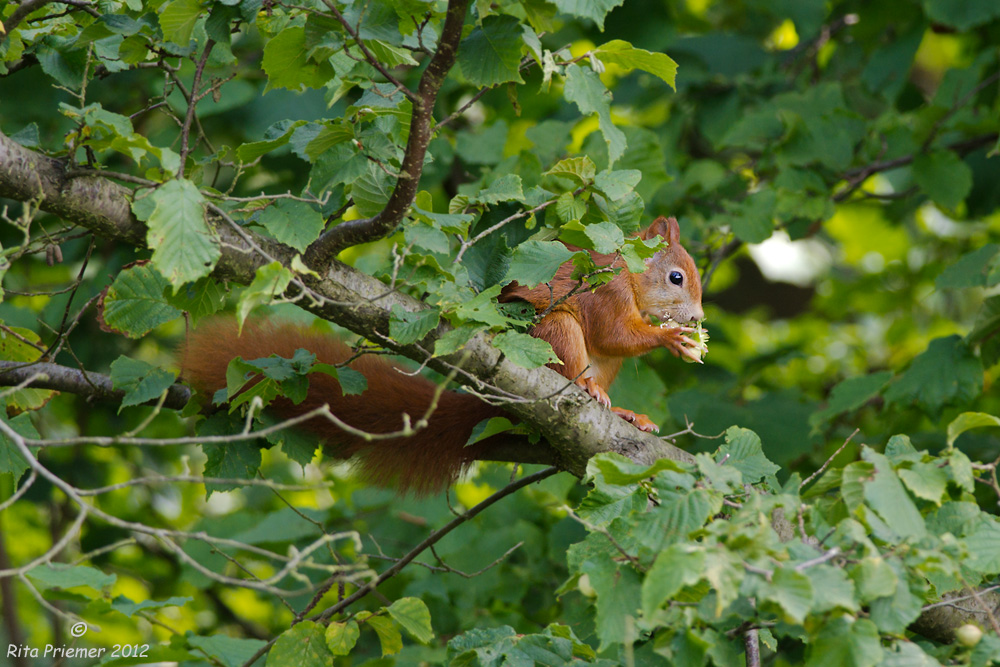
860,130
871,544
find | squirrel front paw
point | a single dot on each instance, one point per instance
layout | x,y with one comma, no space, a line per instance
692,348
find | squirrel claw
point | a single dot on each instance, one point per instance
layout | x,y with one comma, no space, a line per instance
691,354
595,390
640,421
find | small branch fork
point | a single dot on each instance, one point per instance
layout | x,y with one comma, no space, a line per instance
354,232
428,543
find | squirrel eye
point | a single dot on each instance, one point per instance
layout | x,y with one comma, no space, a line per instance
676,277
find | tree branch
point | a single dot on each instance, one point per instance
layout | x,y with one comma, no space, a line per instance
93,386
354,232
857,176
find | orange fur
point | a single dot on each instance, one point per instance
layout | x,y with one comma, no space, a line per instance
426,462
593,332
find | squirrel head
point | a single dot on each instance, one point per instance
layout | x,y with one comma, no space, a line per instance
670,287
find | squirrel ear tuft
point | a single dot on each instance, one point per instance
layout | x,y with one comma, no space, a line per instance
665,227
673,232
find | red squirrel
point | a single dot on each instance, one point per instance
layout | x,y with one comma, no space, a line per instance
591,332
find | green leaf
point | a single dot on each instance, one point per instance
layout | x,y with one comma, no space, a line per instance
408,327
127,607
678,515
853,477
135,303
925,480
967,421
505,188
585,89
984,546
676,567
618,184
724,572
484,146
455,339
616,470
943,177
843,642
270,282
579,169
894,613
886,495
974,269
184,247
199,299
595,10
13,347
618,591
636,251
524,350
850,395
962,15
51,575
743,451
229,651
986,333
331,134
488,428
389,55
570,209
483,308
793,593
961,470
832,589
287,64
604,237
341,637
753,220
623,54
371,191
412,614
946,373
231,460
141,382
12,462
427,237
480,646
303,645
874,579
536,262
177,20
293,223
388,634
275,137
491,54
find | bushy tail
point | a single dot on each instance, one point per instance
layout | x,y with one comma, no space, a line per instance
423,463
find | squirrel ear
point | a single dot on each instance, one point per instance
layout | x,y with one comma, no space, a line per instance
665,227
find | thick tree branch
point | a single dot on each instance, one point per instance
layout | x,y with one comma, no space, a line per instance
576,426
354,232
94,386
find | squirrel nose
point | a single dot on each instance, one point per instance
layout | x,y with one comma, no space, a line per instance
697,313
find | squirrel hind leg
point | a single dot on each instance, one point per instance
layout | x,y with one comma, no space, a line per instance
640,421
